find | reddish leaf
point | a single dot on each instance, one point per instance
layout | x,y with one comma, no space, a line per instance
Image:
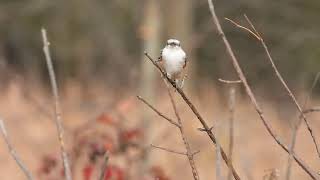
114,173
105,119
108,146
87,172
131,135
158,173
124,106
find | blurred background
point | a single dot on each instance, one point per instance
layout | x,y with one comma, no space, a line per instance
97,50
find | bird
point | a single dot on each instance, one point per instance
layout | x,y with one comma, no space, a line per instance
174,61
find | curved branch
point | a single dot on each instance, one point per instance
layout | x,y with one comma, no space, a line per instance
13,151
248,90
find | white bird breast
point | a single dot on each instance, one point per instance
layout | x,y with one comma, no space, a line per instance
174,60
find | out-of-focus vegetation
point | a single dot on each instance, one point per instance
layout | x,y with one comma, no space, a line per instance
103,40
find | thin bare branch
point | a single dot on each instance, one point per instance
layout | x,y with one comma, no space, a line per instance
58,117
218,157
287,88
197,114
302,116
13,151
245,28
158,112
168,150
104,165
248,90
229,82
314,109
311,110
232,103
184,137
195,152
296,126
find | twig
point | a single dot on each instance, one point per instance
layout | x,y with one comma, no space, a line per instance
218,157
245,28
179,125
248,90
296,127
232,102
168,150
311,110
13,152
158,112
229,82
58,118
290,94
197,114
104,165
195,152
184,138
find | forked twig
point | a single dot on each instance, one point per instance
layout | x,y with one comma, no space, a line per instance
206,128
248,90
296,127
179,125
173,151
245,28
284,84
57,110
168,150
279,76
184,137
158,112
13,151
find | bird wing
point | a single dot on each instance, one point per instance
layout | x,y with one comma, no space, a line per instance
185,61
160,57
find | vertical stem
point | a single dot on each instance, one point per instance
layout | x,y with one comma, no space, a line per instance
218,154
58,117
151,41
232,102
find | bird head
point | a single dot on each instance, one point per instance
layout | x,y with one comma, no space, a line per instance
173,43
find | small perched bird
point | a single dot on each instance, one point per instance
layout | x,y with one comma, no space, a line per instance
174,61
